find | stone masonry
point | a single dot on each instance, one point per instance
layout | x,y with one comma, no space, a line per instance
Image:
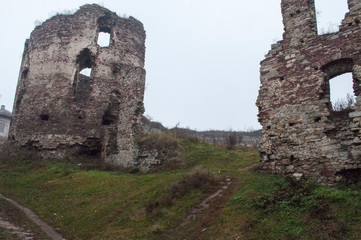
60,112
302,135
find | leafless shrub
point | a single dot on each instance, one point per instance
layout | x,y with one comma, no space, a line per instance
38,22
344,104
62,13
231,141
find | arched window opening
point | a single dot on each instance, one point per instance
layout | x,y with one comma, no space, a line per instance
84,59
104,39
82,82
330,13
341,87
341,92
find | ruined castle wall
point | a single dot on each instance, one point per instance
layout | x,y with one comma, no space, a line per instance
301,132
61,112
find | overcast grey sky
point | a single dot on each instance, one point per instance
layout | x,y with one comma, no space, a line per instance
202,56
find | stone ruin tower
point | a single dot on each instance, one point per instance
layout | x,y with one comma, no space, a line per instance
302,135
61,112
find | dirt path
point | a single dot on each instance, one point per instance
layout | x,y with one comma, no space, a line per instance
18,231
49,231
206,202
206,213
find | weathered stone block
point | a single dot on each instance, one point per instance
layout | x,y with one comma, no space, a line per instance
354,114
286,162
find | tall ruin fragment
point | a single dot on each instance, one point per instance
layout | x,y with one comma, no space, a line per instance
301,133
61,112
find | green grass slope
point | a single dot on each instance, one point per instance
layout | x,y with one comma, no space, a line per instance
97,204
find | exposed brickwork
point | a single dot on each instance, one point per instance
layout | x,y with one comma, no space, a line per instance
301,132
63,113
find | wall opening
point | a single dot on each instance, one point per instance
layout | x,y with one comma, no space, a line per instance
341,86
24,73
330,13
86,72
2,127
84,59
91,147
341,92
44,117
82,81
350,176
111,114
105,31
111,120
104,39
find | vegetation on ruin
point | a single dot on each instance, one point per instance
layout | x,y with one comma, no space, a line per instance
87,202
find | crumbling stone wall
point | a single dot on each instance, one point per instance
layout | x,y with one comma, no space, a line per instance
302,135
61,112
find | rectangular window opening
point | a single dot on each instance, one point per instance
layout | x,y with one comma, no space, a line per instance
330,14
2,127
104,39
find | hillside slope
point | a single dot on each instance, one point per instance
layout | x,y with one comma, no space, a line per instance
83,201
